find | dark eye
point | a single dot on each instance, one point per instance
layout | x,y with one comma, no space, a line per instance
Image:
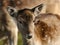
20,22
20,19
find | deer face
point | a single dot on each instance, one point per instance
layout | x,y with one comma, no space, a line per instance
25,18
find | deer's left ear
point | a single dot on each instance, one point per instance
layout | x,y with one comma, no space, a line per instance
12,11
37,9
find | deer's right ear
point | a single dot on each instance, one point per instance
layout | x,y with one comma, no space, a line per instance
12,11
37,9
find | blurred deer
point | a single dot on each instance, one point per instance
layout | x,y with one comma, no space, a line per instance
8,27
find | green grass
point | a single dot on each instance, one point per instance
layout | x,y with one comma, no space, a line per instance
1,42
19,40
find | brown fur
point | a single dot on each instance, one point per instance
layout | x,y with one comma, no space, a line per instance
47,28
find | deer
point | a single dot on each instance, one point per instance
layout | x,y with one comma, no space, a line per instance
8,27
47,29
24,19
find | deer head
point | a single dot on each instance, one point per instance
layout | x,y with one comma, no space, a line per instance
25,18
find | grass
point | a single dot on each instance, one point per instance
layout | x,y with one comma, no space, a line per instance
19,40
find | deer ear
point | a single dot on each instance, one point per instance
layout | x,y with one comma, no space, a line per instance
12,11
37,9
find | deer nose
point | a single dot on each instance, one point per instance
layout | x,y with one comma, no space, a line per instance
28,36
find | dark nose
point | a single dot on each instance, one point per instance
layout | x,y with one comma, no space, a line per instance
28,36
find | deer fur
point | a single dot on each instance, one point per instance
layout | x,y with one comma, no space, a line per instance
47,29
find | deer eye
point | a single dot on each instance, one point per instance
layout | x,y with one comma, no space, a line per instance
20,22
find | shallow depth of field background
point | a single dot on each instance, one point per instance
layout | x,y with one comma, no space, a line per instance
19,40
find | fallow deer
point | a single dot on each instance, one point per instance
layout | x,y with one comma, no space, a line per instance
47,29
